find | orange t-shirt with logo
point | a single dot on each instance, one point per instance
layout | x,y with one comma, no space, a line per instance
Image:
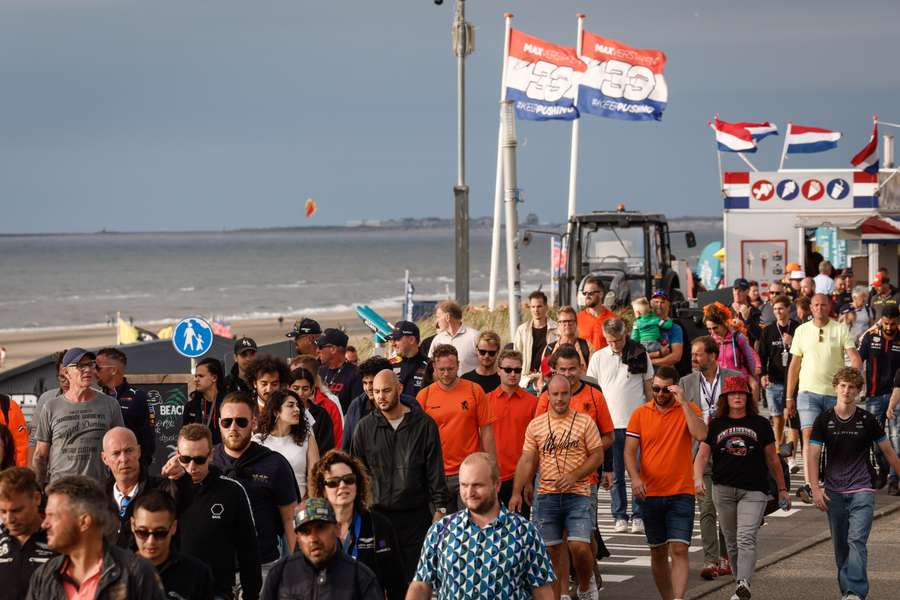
666,448
512,414
591,327
459,413
562,443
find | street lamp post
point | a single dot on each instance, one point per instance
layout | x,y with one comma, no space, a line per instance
462,35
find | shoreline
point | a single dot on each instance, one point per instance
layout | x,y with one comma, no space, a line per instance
23,346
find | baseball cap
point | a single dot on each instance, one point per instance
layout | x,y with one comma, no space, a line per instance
243,344
402,328
304,327
332,337
660,293
741,284
314,509
797,274
881,278
847,272
845,308
73,355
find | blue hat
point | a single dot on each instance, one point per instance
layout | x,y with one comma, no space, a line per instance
73,355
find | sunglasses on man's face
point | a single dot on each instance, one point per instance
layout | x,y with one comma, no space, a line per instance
241,422
348,479
660,390
185,459
516,370
484,352
159,534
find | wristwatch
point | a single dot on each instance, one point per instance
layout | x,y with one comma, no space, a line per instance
442,509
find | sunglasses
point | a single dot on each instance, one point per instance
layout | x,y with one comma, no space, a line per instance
333,482
566,322
592,293
821,335
241,422
660,390
199,460
484,352
516,370
159,534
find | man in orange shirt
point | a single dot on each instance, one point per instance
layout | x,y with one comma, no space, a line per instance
567,446
462,413
663,482
590,319
513,410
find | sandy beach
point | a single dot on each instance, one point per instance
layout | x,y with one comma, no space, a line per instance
25,346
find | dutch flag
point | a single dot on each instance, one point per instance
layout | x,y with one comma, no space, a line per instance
732,137
867,158
759,131
802,139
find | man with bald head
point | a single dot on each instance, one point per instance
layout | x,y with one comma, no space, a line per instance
122,455
568,447
401,448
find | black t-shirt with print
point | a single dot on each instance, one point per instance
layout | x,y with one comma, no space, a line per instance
738,451
847,444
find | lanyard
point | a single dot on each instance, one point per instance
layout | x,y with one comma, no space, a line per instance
709,392
350,541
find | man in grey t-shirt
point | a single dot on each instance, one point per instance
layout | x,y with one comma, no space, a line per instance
71,426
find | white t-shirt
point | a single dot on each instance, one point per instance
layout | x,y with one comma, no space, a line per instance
624,391
288,448
464,341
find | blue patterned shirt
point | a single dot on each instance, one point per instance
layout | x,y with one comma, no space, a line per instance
507,559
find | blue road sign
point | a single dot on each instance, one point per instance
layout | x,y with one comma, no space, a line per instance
192,337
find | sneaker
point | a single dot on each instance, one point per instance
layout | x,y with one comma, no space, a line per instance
637,525
804,492
852,597
742,590
709,571
724,567
588,594
736,597
621,526
793,467
893,489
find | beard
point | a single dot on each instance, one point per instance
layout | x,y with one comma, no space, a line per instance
236,444
664,400
483,506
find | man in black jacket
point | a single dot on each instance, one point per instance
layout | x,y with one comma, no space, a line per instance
244,353
410,364
402,450
78,513
154,525
218,522
320,569
136,413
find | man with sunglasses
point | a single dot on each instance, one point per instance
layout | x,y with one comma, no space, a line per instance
305,333
513,408
221,530
591,318
71,426
266,475
817,350
244,353
485,374
153,525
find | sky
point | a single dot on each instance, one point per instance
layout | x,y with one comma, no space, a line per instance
219,114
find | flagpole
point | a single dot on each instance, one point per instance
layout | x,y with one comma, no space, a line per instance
498,180
749,164
787,134
719,160
576,124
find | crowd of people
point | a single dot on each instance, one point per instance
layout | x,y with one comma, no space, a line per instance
459,467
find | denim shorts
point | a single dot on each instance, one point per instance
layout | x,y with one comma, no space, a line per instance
557,513
775,397
810,405
668,519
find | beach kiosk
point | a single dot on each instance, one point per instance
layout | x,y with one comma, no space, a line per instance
777,217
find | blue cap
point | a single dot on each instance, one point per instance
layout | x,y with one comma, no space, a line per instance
73,355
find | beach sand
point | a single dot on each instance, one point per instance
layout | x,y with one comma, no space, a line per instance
25,346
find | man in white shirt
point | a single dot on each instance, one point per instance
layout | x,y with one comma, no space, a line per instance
824,282
624,391
451,330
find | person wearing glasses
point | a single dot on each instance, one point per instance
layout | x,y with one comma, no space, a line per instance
153,525
485,374
817,353
462,413
513,408
591,318
532,337
71,426
266,475
221,530
364,533
566,333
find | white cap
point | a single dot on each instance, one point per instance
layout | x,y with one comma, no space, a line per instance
798,275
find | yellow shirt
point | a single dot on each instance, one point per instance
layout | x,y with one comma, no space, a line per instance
822,350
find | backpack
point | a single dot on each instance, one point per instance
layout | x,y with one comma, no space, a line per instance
4,407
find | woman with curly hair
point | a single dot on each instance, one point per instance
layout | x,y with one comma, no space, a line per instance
344,481
735,351
283,428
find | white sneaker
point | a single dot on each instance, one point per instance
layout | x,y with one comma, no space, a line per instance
621,526
793,467
742,591
637,525
588,594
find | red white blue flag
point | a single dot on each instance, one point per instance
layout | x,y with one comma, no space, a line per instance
732,137
542,78
867,158
759,131
622,82
802,139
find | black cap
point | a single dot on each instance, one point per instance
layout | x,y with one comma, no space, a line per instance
332,337
741,284
243,344
402,328
847,272
304,327
73,355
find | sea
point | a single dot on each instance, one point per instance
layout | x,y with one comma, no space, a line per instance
65,281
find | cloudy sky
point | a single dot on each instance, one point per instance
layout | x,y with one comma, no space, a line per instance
211,114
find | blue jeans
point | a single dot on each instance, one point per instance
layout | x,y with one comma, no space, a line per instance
877,405
810,405
668,519
775,396
850,520
569,513
618,493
